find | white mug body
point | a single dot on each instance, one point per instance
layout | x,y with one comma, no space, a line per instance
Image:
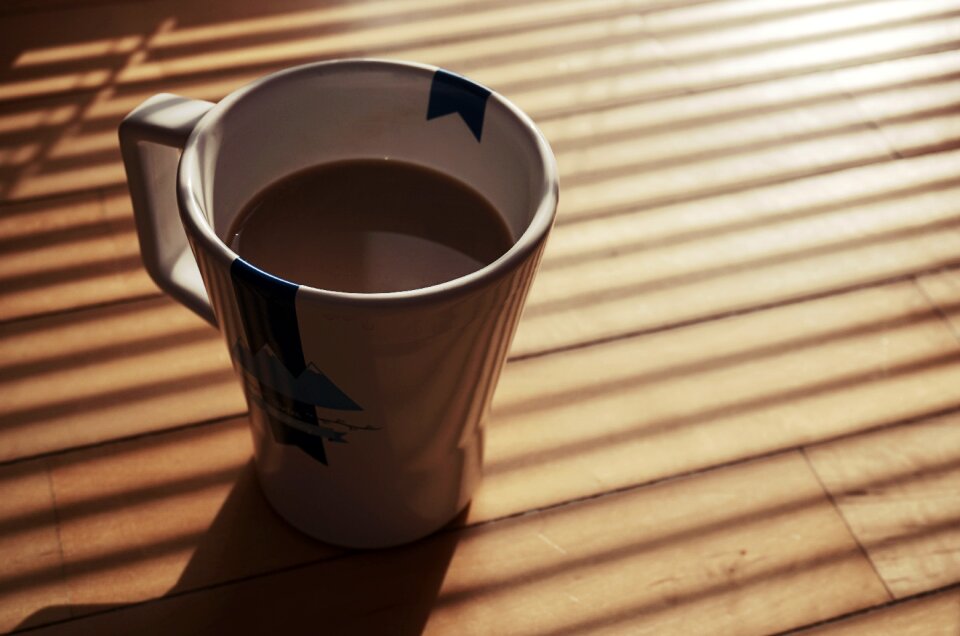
367,410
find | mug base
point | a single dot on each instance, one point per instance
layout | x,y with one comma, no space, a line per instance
353,540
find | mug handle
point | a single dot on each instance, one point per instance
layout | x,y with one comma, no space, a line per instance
151,139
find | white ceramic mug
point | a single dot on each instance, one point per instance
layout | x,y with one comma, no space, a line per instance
366,409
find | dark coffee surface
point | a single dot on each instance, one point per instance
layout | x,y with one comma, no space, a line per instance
369,225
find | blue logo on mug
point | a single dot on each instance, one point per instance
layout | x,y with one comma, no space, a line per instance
279,379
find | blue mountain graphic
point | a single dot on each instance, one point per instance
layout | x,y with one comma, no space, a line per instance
311,386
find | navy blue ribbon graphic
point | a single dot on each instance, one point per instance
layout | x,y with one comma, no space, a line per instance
284,384
450,93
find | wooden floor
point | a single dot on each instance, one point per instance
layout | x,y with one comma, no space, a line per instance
733,404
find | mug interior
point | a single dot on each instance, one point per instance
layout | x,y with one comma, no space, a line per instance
363,109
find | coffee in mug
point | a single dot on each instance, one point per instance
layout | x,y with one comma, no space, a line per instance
369,225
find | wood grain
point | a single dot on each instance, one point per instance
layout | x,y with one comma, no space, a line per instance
144,517
152,364
862,224
937,615
705,257
695,229
33,544
711,552
66,253
137,512
166,514
696,396
897,491
73,147
97,374
943,290
731,404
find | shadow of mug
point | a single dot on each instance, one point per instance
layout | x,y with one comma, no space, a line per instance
297,585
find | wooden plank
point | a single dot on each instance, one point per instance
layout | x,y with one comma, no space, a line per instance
367,10
163,515
159,342
136,521
119,248
736,56
943,290
893,111
640,155
29,539
80,149
899,77
427,36
109,372
76,144
663,565
711,552
829,39
697,396
686,163
937,615
767,139
922,503
799,234
79,152
688,260
124,44
118,46
564,427
178,512
150,365
898,491
66,253
673,263
702,28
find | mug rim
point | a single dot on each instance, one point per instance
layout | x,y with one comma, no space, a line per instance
196,224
